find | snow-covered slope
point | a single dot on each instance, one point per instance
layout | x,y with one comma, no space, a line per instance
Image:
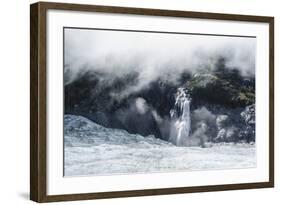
91,149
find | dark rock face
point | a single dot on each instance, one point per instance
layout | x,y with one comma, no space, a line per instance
215,89
222,105
226,124
96,96
248,115
226,131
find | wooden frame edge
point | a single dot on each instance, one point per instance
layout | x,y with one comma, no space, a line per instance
34,187
155,192
153,12
38,174
37,102
271,100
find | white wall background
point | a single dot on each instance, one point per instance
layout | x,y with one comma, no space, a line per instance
14,102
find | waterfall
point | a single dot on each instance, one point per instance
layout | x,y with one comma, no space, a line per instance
180,118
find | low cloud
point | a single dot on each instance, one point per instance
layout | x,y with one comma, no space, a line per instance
203,125
141,105
152,55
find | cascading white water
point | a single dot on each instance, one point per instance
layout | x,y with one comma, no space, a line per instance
180,117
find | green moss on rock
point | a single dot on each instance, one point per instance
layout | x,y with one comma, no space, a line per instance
211,88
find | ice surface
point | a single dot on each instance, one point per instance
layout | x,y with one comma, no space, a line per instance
91,149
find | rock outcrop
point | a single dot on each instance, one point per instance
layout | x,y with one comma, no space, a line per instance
222,106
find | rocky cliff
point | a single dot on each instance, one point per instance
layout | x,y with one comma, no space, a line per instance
222,103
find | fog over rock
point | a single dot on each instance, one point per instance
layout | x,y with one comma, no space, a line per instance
130,81
153,55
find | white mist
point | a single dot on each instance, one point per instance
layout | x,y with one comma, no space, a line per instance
181,121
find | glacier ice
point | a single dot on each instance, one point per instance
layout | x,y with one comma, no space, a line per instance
91,149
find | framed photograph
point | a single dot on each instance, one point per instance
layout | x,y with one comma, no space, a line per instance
134,102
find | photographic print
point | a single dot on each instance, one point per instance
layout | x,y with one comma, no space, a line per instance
131,102
147,101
